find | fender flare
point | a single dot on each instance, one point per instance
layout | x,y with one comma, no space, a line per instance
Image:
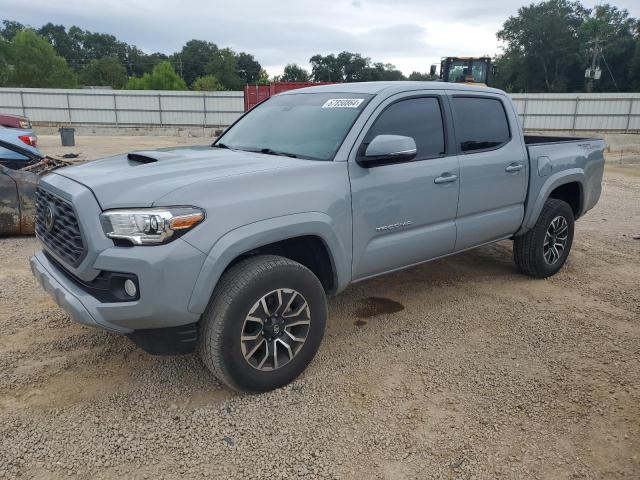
554,181
254,235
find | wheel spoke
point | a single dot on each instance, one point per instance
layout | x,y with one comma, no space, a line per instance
287,346
293,337
254,349
248,338
297,312
295,323
275,354
266,355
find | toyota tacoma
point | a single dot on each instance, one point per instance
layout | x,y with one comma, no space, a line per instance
231,249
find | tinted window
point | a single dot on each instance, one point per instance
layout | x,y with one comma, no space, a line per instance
419,118
481,123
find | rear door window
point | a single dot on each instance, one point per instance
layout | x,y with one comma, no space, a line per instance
418,118
480,123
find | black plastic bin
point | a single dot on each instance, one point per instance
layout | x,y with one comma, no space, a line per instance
67,136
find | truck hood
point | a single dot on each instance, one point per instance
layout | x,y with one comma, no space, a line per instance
140,178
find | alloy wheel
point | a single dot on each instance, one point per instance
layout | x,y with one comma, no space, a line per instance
555,240
275,329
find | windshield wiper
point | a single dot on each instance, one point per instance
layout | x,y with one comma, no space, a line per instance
221,145
269,151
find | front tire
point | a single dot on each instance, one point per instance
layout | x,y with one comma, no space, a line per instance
543,250
264,323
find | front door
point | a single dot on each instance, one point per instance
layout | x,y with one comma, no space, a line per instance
404,213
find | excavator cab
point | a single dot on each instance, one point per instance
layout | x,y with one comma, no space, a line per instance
472,70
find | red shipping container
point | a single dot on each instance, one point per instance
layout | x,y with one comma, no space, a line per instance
254,94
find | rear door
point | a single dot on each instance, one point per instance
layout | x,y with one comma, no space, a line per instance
404,213
493,168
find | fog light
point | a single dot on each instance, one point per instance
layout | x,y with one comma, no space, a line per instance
130,288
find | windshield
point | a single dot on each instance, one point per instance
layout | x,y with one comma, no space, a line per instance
302,125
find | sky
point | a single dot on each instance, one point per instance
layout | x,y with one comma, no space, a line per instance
411,34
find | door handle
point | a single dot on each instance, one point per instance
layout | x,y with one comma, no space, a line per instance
514,167
445,178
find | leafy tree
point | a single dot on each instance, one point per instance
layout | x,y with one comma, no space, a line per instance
66,44
546,35
615,30
192,59
10,28
223,65
634,68
162,77
248,67
32,62
105,72
208,83
421,77
294,73
326,68
351,67
263,78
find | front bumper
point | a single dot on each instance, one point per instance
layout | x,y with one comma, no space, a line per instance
166,275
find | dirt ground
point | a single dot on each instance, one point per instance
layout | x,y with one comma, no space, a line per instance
461,368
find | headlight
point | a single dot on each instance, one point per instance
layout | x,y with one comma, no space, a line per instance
150,226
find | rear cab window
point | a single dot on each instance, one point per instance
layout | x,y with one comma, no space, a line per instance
480,123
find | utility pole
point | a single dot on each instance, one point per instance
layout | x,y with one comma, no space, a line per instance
593,72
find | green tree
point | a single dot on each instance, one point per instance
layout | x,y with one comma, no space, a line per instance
422,77
351,67
613,30
294,73
223,65
66,44
32,62
326,68
546,36
208,83
633,73
105,72
248,67
162,77
10,28
263,78
192,59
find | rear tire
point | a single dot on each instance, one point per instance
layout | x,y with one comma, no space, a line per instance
264,323
542,251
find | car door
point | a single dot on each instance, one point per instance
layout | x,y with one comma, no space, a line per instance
404,213
493,168
9,205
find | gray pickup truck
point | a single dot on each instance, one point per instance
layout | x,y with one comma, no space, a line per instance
231,249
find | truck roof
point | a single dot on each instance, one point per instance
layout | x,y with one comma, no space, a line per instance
374,88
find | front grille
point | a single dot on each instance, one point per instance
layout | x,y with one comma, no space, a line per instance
62,236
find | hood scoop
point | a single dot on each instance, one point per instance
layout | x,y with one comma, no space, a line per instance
150,156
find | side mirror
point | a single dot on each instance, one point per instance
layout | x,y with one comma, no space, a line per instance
432,70
385,149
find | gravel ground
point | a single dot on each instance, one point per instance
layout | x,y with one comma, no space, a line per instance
460,368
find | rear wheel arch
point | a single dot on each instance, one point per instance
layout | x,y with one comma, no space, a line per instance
571,193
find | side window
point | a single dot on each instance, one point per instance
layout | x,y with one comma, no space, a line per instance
419,118
480,123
